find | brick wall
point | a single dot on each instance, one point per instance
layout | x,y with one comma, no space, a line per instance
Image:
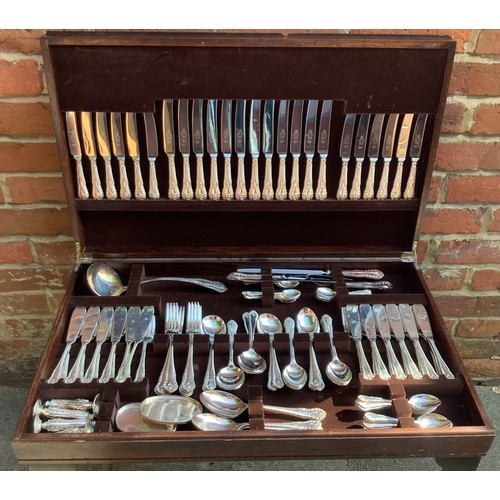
459,248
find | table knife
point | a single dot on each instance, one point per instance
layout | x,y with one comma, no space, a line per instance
134,153
387,152
131,333
212,149
345,154
101,128
401,152
185,149
373,154
415,150
282,148
119,151
254,148
268,149
352,325
359,154
310,148
76,151
152,150
323,145
226,146
117,329
240,148
296,148
199,149
169,148
90,151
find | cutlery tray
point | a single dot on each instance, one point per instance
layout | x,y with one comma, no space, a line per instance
143,237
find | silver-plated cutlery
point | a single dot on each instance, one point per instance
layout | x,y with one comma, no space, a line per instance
134,153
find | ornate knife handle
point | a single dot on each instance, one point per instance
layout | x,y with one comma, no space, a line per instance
187,187
214,190
140,192
342,190
97,192
364,367
83,192
378,364
281,187
268,191
254,191
93,369
125,193
124,371
424,365
241,189
370,183
294,193
109,370
61,370
201,190
356,182
384,183
439,363
307,191
111,193
227,188
321,192
76,371
396,187
410,185
409,365
317,414
173,185
154,193
395,367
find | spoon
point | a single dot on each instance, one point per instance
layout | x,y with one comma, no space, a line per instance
286,296
420,403
336,370
428,420
250,361
325,294
231,378
269,324
294,376
211,326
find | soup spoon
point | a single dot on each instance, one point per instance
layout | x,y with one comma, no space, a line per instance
250,361
231,377
269,324
294,376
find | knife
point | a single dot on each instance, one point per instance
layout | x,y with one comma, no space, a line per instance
226,146
352,325
117,328
310,148
282,148
359,154
387,153
90,151
131,329
152,149
149,322
373,154
184,147
198,148
119,151
254,148
268,148
101,128
345,154
240,148
133,151
415,150
76,152
212,148
169,148
323,144
401,151
296,148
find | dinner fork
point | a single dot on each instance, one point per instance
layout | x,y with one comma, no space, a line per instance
193,325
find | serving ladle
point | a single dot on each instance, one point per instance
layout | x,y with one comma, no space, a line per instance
231,377
250,361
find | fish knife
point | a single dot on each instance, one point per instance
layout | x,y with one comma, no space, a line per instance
101,128
345,154
212,149
387,152
240,148
282,148
169,148
226,146
152,150
76,151
415,150
198,149
323,144
131,335
254,148
359,154
352,324
295,148
134,153
90,151
310,148
268,147
117,329
373,154
184,148
401,152
119,151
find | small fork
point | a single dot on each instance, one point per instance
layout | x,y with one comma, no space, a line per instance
193,326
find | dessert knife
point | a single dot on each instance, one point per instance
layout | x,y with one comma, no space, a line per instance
119,151
387,150
76,152
359,154
310,148
345,154
282,149
152,150
401,151
323,144
198,149
169,148
184,148
352,324
373,154
268,147
254,149
226,146
295,148
117,329
415,150
90,151
212,149
134,153
101,128
240,148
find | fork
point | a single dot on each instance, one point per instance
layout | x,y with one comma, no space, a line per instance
193,322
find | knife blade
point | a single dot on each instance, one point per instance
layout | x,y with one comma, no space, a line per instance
387,153
282,148
76,151
254,148
310,148
212,149
91,153
345,154
359,153
184,148
415,150
226,146
198,148
296,148
240,148
323,145
117,329
133,151
119,151
268,148
152,150
373,154
147,326
401,152
173,192
101,127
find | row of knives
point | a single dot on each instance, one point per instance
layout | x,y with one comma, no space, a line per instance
256,128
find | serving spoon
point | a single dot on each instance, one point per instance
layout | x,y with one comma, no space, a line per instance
269,324
250,361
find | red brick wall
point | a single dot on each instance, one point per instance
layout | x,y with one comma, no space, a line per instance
460,243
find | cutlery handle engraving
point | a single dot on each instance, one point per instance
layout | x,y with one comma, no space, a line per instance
97,192
201,190
384,183
173,185
321,192
356,182
188,383
154,193
187,187
294,193
111,193
369,191
83,192
140,192
342,190
254,191
281,187
410,184
241,189
125,193
268,190
316,382
307,191
227,189
396,187
214,190
209,382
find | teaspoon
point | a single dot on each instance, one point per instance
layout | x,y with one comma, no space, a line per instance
269,324
250,361
231,378
294,376
211,326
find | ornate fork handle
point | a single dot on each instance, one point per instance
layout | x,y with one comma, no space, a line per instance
216,286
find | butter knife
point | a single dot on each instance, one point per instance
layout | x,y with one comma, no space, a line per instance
199,149
254,148
387,152
268,149
352,324
282,149
226,146
169,148
119,151
323,144
90,151
240,148
76,152
359,154
117,329
185,149
101,127
345,154
134,153
296,148
415,150
373,154
401,152
152,150
310,148
212,149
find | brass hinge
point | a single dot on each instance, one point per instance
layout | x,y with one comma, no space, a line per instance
82,258
412,255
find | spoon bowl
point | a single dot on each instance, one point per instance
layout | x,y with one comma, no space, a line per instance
104,281
325,294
